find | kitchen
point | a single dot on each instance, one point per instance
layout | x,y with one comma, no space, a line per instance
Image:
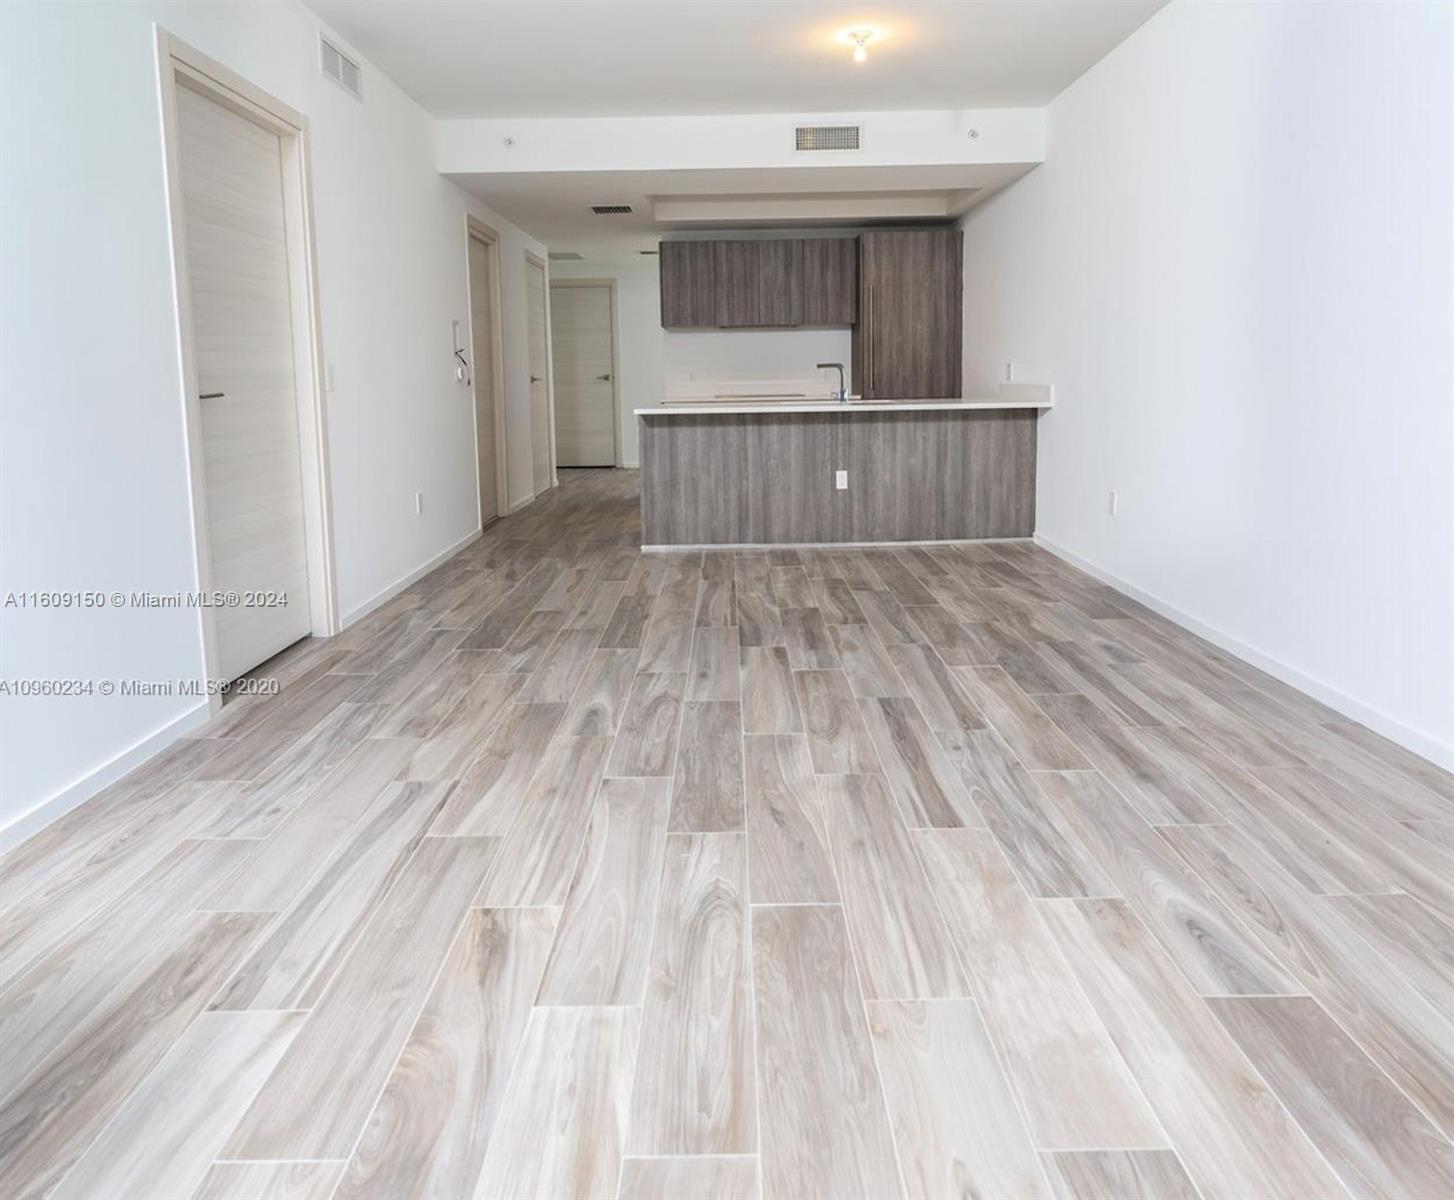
813,396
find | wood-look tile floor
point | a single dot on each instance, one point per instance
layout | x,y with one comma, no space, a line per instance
578,872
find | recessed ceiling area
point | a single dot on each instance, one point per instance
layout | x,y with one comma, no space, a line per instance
540,58
556,207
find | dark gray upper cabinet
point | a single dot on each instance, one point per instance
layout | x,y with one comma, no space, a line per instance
688,285
909,333
830,280
759,283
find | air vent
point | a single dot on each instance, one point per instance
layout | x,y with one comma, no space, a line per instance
565,256
828,137
610,210
337,65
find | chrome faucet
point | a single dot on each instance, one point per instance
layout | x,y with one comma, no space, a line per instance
842,396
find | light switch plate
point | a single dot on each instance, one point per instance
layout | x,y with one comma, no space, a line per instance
840,480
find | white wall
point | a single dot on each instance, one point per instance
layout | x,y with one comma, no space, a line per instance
907,138
694,357
638,333
93,453
1235,267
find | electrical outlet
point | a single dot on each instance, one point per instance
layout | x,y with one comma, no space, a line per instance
419,503
1009,372
1112,502
840,480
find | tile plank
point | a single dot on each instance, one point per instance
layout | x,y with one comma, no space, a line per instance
787,835
707,787
427,1134
563,1118
694,1080
1073,1085
837,738
900,942
646,741
315,1104
814,1043
954,1116
1378,1142
600,951
1233,1135
164,1137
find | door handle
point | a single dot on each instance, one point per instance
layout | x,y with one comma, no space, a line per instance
604,378
535,378
210,395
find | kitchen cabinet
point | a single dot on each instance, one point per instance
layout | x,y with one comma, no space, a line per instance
759,283
829,268
908,338
688,285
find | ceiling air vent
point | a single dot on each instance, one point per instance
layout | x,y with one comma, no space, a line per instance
337,65
565,256
828,137
610,210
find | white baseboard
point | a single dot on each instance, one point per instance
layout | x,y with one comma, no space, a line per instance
1411,739
519,504
669,547
15,831
413,577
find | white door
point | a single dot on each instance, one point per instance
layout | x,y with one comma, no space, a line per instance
237,263
585,388
537,319
482,370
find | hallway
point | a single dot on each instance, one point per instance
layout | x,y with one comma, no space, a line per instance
574,871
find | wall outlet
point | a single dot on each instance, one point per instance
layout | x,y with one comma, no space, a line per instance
840,480
1112,502
1009,372
419,503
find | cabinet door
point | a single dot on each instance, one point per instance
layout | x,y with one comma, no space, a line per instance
830,280
688,285
910,324
758,283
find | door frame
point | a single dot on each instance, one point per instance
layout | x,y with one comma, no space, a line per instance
610,285
477,230
179,65
533,259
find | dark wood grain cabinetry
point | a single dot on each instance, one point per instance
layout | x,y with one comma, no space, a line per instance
688,285
829,270
757,478
908,337
759,283
901,290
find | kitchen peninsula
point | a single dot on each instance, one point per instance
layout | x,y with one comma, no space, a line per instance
773,471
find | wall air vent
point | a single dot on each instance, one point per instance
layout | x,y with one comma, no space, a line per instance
610,210
828,137
337,65
565,256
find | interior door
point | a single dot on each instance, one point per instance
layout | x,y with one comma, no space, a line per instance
581,340
537,320
237,262
482,370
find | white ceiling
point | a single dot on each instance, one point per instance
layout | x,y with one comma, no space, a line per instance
554,206
537,58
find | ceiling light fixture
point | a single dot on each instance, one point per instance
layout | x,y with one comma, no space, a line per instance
860,40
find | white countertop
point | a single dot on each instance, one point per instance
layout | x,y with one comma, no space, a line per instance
1012,395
